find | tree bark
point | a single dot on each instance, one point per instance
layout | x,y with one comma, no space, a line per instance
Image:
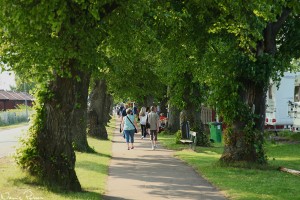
173,120
192,98
244,141
148,101
108,108
98,112
193,117
163,106
54,139
79,123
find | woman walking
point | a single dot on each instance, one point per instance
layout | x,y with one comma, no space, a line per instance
128,126
143,117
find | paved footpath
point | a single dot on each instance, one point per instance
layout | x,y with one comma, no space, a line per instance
144,174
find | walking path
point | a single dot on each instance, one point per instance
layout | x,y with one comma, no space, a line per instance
143,174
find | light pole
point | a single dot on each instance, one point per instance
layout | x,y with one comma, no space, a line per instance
26,101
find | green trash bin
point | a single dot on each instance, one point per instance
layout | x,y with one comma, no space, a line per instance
215,129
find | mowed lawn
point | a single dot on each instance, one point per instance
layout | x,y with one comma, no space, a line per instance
245,183
91,169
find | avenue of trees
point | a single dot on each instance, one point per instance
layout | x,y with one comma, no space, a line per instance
190,53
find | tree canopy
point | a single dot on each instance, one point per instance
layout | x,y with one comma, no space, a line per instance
218,53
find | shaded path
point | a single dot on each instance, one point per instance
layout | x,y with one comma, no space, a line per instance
145,174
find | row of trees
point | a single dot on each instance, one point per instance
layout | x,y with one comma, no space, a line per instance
220,53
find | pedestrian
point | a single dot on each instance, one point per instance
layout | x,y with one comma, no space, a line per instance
128,127
135,109
143,117
124,112
121,110
153,120
147,127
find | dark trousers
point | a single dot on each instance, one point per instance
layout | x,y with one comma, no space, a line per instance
144,132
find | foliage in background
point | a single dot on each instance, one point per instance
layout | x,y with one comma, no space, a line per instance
15,116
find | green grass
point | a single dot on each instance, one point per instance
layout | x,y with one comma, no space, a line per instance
91,170
244,183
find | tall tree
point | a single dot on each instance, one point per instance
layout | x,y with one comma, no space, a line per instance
243,52
98,112
79,113
178,63
57,43
256,30
232,47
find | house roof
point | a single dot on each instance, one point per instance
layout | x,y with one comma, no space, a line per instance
10,95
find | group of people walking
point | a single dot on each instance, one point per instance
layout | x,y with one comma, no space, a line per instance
149,121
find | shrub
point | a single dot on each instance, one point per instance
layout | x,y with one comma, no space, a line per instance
178,137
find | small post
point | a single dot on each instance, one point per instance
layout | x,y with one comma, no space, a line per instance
26,101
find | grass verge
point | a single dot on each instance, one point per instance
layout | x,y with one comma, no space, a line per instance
91,169
244,183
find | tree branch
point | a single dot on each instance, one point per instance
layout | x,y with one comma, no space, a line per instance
280,20
108,9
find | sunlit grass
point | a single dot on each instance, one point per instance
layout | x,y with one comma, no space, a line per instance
245,183
91,170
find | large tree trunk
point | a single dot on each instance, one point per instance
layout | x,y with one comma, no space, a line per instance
56,157
173,119
79,123
148,101
192,112
193,117
108,108
163,106
98,112
243,140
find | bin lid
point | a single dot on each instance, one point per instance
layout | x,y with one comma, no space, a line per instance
215,123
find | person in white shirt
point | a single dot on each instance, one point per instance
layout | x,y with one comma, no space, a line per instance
143,117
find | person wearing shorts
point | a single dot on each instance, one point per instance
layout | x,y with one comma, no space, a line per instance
153,120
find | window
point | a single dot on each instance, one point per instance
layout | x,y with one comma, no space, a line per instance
297,94
270,92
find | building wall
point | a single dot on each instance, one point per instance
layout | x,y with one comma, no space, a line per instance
1,105
12,104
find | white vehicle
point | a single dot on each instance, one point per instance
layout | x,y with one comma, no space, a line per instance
294,105
277,104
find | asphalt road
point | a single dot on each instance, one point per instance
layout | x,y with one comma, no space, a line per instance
9,140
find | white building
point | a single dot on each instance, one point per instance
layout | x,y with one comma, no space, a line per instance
277,103
294,105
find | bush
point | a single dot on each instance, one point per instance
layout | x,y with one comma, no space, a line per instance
295,136
178,137
285,133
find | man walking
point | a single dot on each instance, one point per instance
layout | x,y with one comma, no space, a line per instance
153,120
